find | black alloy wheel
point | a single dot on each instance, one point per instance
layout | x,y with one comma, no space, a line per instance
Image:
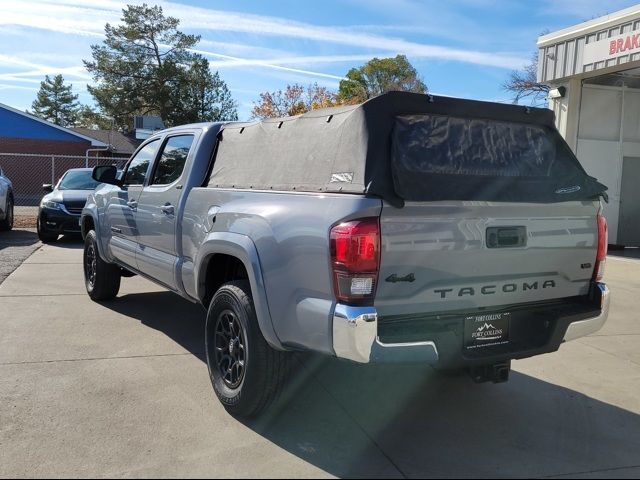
101,279
230,348
247,374
90,265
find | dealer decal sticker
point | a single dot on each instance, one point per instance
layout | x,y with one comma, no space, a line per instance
487,330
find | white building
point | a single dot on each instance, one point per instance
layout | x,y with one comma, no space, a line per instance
594,68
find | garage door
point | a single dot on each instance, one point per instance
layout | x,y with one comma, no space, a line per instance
629,226
609,130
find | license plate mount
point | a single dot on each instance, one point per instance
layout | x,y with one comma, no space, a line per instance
486,330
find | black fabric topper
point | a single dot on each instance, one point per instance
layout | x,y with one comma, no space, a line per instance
408,147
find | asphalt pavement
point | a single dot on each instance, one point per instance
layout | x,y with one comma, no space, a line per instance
15,246
120,389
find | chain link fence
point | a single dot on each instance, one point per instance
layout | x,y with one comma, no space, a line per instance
29,172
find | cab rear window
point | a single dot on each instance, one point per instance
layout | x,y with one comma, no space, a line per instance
438,157
467,146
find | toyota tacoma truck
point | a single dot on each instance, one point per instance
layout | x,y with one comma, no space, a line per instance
410,228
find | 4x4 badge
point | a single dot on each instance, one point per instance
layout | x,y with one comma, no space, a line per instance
395,278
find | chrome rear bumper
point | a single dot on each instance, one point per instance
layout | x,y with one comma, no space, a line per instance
355,337
586,327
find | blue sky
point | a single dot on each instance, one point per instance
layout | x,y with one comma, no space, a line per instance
462,48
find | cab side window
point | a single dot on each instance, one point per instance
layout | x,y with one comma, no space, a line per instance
171,162
139,165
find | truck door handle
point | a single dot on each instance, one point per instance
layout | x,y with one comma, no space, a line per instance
132,204
167,209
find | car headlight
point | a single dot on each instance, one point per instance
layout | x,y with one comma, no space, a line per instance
50,204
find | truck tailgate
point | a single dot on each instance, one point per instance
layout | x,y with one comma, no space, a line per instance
463,255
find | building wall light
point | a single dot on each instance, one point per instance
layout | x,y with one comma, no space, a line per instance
559,92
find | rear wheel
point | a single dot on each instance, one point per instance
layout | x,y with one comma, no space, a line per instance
7,223
43,235
246,373
101,279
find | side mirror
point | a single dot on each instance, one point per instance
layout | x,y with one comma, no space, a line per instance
47,187
106,174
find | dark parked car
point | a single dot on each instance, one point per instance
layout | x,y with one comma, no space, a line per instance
61,207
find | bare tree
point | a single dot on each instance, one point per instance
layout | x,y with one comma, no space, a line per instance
524,84
294,100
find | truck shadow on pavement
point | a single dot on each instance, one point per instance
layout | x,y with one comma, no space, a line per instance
417,423
353,420
178,319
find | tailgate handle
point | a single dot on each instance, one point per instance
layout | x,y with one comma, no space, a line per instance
506,237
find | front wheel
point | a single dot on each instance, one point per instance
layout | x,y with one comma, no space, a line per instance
101,279
44,236
7,223
246,373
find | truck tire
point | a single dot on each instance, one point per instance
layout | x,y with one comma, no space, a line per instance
246,373
7,223
101,279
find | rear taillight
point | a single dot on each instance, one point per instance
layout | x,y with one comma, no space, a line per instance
601,256
355,260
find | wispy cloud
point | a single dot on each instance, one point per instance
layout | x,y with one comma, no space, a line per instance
228,61
240,49
36,71
86,18
206,19
298,60
4,86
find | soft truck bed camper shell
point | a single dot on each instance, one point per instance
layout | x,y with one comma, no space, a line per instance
408,147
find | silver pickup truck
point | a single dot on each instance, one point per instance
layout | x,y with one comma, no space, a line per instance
411,228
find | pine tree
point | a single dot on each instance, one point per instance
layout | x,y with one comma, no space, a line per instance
55,102
89,117
203,96
145,66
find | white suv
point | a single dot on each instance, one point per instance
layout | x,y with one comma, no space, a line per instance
6,202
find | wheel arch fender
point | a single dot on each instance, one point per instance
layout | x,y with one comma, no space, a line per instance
241,247
90,217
